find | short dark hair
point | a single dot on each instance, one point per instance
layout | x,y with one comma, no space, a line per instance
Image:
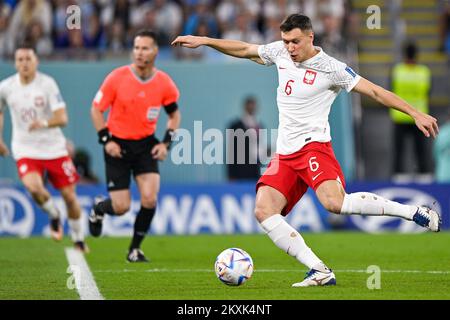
147,33
27,45
249,99
410,50
296,21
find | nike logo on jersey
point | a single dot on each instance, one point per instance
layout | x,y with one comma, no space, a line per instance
317,175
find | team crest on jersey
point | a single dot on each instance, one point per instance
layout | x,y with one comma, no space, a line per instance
309,77
153,113
39,102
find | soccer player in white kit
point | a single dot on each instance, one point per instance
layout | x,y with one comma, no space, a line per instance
38,144
309,81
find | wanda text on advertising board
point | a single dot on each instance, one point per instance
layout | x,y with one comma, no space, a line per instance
220,209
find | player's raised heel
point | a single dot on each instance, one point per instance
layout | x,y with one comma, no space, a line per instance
317,278
95,220
428,218
56,230
81,246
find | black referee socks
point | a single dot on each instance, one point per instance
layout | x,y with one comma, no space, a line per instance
141,226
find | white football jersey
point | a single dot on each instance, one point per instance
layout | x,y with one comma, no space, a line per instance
305,93
34,101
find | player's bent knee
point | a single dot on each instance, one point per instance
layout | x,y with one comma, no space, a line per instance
149,202
262,212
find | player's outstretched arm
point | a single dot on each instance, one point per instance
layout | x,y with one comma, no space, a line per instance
426,123
234,48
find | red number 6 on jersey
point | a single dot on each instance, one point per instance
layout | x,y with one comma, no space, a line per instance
288,88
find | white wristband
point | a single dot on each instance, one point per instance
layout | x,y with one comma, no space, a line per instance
44,123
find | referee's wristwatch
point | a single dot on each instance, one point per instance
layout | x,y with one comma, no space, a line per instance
104,136
170,133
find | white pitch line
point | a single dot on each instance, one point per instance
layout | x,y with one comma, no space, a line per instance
84,281
274,270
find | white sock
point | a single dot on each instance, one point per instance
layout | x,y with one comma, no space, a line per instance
289,240
50,208
76,231
369,204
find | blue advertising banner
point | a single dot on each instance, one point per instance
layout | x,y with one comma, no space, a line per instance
220,209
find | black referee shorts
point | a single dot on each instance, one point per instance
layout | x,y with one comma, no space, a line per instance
136,159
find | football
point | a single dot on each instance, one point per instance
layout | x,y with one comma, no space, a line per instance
233,266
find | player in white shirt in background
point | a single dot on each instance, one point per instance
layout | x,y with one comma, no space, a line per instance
309,81
38,144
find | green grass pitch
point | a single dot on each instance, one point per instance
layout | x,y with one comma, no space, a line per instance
413,266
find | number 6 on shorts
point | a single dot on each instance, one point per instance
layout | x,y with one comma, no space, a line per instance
313,165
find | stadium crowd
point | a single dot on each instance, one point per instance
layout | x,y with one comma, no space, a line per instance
107,26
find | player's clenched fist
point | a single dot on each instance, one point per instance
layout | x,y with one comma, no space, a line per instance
38,124
113,149
159,151
188,41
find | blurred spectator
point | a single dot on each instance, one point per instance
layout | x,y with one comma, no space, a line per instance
93,33
150,23
245,163
202,52
169,18
445,29
128,13
11,3
202,13
77,49
272,32
119,10
76,39
5,44
228,10
82,162
412,82
38,40
90,24
60,30
441,152
350,22
313,8
27,12
279,9
331,39
244,29
116,38
107,26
